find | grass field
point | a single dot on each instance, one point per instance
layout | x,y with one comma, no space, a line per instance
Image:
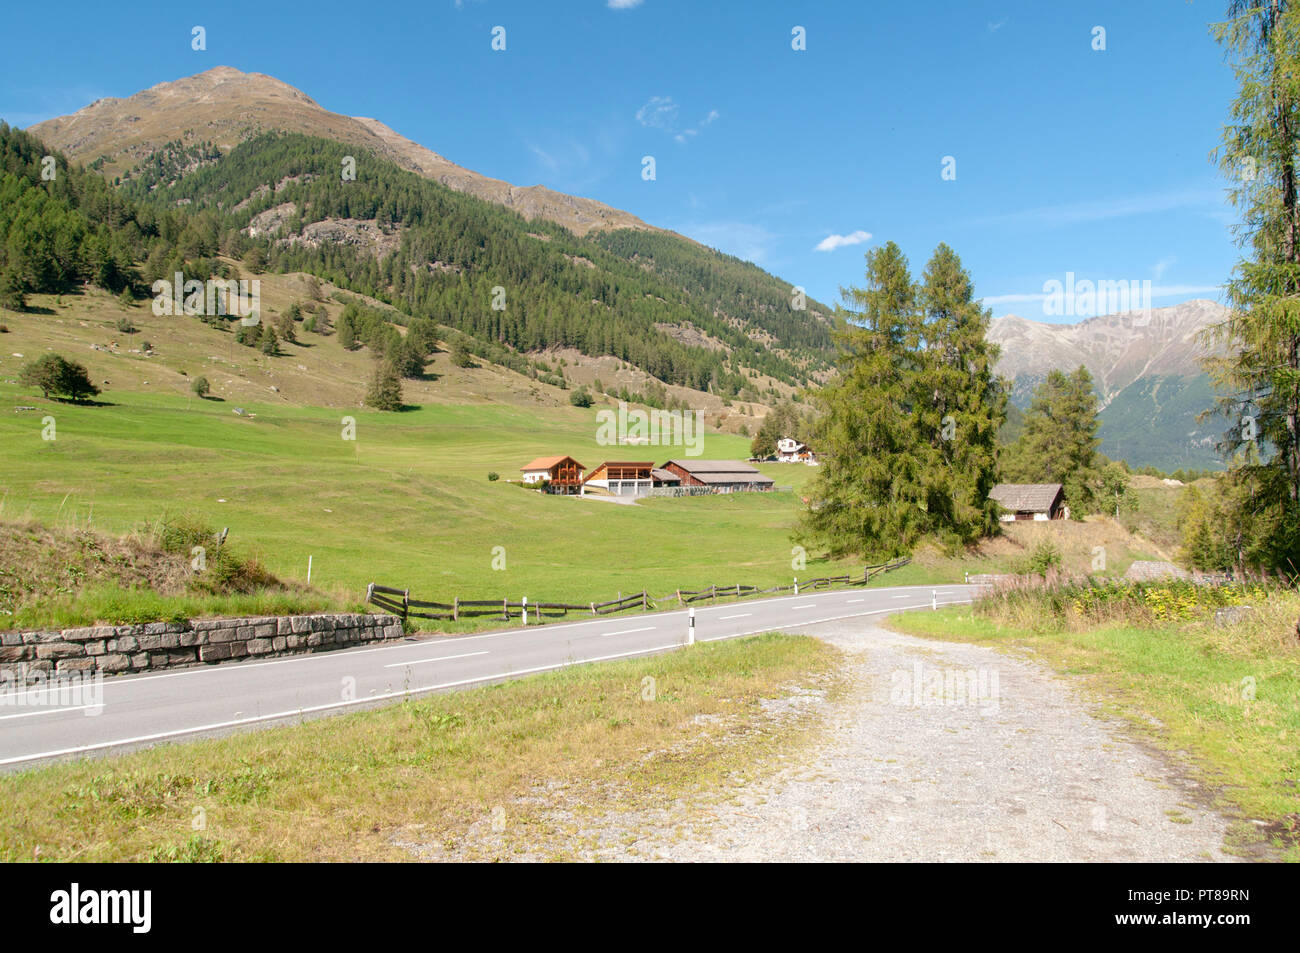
524,769
407,503
1227,697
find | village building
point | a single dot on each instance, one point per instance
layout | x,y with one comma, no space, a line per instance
719,476
664,478
1030,501
560,474
789,450
617,478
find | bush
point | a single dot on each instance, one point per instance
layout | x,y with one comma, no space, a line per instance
493,476
4,329
201,387
1045,558
461,357
125,326
580,398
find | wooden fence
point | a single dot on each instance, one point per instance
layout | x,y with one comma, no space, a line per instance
399,601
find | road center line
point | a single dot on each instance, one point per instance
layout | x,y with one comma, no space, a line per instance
742,615
48,711
811,605
648,628
440,658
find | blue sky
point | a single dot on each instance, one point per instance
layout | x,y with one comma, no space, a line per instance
1067,159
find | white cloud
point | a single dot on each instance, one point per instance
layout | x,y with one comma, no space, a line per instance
623,4
1159,268
994,26
660,112
832,242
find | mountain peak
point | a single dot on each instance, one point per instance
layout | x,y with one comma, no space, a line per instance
225,105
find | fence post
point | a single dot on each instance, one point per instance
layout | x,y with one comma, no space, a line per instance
645,601
505,608
593,608
406,607
737,590
370,593
713,592
796,585
679,597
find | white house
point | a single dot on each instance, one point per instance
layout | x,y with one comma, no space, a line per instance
789,450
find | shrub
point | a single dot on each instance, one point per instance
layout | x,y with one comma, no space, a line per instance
201,387
1045,557
493,476
461,357
580,398
125,326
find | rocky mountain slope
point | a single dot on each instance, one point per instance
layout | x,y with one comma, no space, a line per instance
1148,373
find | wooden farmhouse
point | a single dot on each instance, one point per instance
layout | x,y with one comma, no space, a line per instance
720,476
617,478
1030,501
561,475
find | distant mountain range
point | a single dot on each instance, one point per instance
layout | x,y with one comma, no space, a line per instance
1148,372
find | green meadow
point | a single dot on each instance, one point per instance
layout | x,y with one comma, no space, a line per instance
407,503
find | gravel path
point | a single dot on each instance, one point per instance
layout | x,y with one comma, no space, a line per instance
999,761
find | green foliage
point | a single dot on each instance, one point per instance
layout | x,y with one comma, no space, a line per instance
385,391
125,325
57,376
201,387
1044,558
581,398
1259,372
460,356
1059,441
270,344
642,286
493,476
908,438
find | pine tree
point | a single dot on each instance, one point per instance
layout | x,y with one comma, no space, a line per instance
1260,376
1059,441
960,404
385,391
867,497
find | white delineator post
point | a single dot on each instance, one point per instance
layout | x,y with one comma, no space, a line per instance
690,628
934,598
524,603
796,585
309,569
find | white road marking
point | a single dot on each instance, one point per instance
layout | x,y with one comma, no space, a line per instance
440,658
648,628
48,711
855,600
742,615
811,605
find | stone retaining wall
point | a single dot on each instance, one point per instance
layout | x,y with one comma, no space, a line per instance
154,645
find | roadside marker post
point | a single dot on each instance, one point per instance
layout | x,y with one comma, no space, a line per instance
524,605
796,585
934,598
690,630
309,569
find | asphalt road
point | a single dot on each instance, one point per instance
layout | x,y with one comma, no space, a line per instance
142,710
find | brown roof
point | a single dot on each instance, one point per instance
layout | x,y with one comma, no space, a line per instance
666,476
1026,497
545,463
721,471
